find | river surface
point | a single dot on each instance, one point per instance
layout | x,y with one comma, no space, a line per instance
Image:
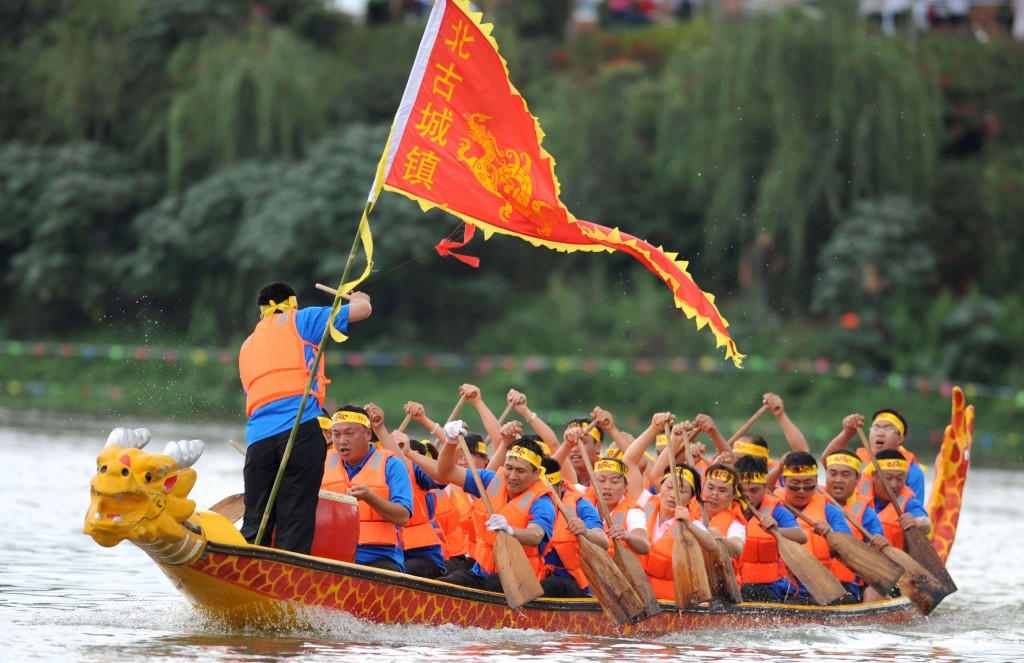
63,597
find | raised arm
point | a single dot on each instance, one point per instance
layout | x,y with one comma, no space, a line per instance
851,423
490,422
794,437
518,400
508,434
387,442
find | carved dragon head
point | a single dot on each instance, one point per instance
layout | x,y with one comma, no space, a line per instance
139,496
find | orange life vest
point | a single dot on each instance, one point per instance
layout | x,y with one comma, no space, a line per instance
565,544
658,562
760,562
721,521
374,529
867,476
815,510
446,515
890,521
618,517
856,506
517,511
272,363
421,531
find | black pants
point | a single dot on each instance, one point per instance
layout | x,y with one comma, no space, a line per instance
491,582
560,587
293,517
422,568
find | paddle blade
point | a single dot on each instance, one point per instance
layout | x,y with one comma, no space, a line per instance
688,573
920,548
871,565
634,573
923,590
820,583
231,507
721,577
517,577
618,599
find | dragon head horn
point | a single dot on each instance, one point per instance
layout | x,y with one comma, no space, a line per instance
129,438
185,452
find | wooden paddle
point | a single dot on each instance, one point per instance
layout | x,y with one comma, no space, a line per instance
237,446
327,288
745,427
875,568
231,507
821,583
721,576
625,558
923,590
517,577
617,597
917,542
689,577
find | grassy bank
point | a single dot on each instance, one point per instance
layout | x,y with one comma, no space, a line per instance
191,386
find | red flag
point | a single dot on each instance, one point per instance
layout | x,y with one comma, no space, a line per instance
464,140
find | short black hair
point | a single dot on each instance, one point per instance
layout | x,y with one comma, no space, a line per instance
799,459
473,440
841,452
276,291
748,464
889,410
550,465
529,445
349,407
890,454
753,438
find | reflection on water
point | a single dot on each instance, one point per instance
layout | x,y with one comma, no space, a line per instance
64,597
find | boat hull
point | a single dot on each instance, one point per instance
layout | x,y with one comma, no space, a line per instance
245,584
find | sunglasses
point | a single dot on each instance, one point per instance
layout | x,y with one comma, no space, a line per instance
799,489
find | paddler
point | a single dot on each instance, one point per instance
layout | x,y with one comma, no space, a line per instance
273,365
895,468
662,515
888,431
591,442
375,477
565,578
522,504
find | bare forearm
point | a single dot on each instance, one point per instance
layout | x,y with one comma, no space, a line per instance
794,436
392,512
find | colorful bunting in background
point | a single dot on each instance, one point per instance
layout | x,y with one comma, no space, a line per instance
464,140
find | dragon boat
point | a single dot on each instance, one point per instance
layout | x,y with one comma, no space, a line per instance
143,498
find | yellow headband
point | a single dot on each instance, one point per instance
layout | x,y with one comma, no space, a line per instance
553,478
610,465
688,477
524,453
345,416
287,305
614,452
325,422
753,477
545,449
723,475
660,441
800,471
750,449
892,419
592,432
480,448
843,459
893,464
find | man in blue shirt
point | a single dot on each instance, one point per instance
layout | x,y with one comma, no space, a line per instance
273,365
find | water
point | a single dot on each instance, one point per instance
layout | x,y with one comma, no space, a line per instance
62,597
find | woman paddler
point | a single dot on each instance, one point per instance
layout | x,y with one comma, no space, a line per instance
662,515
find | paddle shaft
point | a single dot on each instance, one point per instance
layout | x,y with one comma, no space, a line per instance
313,369
745,427
878,471
849,516
325,288
602,507
405,422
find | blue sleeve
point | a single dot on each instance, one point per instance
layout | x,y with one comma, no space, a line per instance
423,480
542,512
915,508
470,486
915,480
397,476
871,522
311,322
587,512
783,517
836,519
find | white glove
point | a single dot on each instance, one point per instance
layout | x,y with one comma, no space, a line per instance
453,429
499,523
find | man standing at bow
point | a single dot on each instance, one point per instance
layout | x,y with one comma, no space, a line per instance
274,366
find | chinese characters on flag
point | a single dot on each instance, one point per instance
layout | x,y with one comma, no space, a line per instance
464,140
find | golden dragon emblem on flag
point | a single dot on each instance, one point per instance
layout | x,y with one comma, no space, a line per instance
506,174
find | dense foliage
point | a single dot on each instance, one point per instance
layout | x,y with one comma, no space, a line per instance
160,160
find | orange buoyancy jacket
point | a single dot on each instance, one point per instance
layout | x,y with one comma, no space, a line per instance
890,521
272,363
446,515
868,475
421,530
374,529
658,562
760,562
815,510
517,511
618,517
856,506
565,544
